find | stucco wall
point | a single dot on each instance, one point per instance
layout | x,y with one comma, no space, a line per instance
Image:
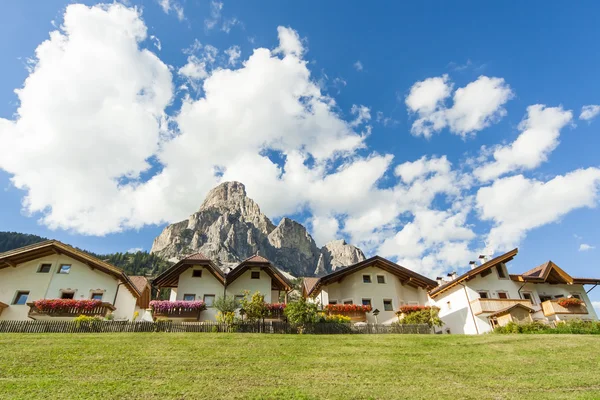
81,279
125,304
245,282
207,284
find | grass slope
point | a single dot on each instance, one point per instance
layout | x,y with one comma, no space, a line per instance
230,366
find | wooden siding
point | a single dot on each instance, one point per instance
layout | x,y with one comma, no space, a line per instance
481,306
551,307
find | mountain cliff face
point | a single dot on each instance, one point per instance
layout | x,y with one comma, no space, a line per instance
229,227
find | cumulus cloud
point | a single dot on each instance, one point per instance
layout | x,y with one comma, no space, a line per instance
539,137
516,204
172,5
586,247
289,42
588,113
475,106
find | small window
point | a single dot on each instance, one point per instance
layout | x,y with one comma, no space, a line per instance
575,295
97,296
500,271
189,297
255,275
544,298
64,269
44,268
366,302
528,296
366,278
502,295
348,302
387,305
380,279
486,273
483,294
197,273
209,300
21,298
67,295
559,296
332,302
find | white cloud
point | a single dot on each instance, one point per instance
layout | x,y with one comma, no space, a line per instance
135,250
156,42
195,69
229,24
93,138
588,113
596,305
324,229
233,54
168,5
475,106
539,137
289,42
586,247
516,204
358,66
215,14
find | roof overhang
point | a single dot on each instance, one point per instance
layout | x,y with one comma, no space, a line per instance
278,280
507,310
170,277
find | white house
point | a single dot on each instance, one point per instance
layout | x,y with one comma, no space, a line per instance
488,295
53,270
376,283
196,277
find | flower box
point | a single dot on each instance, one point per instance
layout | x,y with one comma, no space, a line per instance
177,309
567,302
68,308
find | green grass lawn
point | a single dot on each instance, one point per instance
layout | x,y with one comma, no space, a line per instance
235,366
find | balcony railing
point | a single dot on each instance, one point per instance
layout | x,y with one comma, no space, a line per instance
551,307
481,306
2,307
102,310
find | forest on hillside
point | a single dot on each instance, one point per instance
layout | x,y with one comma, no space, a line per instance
139,263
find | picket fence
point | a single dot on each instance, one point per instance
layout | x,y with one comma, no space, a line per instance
206,327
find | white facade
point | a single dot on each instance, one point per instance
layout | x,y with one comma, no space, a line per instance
382,289
81,280
460,304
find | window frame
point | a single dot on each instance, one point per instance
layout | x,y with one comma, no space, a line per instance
532,299
487,294
500,267
67,292
254,274
95,293
197,273
576,295
348,301
547,297
504,292
332,302
60,268
370,278
43,264
213,300
391,304
18,295
383,278
363,300
188,295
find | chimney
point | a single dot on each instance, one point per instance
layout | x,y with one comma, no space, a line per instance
482,259
452,275
440,280
472,264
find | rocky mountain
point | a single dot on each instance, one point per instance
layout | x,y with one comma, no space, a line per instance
229,227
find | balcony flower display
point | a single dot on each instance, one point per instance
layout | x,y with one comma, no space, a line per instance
169,307
567,302
275,306
347,308
411,309
66,304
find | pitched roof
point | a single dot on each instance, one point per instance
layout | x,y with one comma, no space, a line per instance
406,275
547,272
280,279
508,309
170,277
309,284
197,257
46,248
256,259
504,258
140,282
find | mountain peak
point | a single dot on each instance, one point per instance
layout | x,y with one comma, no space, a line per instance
227,193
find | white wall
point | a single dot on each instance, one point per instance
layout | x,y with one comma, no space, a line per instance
125,304
207,284
81,279
245,282
353,288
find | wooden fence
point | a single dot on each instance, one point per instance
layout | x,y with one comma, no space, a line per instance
207,327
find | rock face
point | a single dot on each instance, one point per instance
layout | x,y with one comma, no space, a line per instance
229,227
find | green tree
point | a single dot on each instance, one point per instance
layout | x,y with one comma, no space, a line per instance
427,316
301,312
226,304
254,306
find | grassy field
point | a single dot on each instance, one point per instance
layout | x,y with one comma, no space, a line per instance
235,366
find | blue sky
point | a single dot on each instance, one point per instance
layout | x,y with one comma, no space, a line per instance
361,56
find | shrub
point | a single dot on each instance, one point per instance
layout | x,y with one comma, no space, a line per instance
337,319
254,306
225,318
423,315
301,312
85,320
226,304
536,327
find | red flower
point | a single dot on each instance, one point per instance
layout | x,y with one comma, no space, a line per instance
336,308
569,302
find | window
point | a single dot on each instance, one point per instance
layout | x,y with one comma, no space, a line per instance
332,301
380,279
528,296
21,298
67,295
483,294
502,295
189,297
197,273
44,268
366,278
576,295
486,273
348,302
209,300
64,269
545,297
500,271
97,296
255,275
387,305
366,302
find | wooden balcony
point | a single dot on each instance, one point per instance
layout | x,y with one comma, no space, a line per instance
101,310
2,307
551,307
487,306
